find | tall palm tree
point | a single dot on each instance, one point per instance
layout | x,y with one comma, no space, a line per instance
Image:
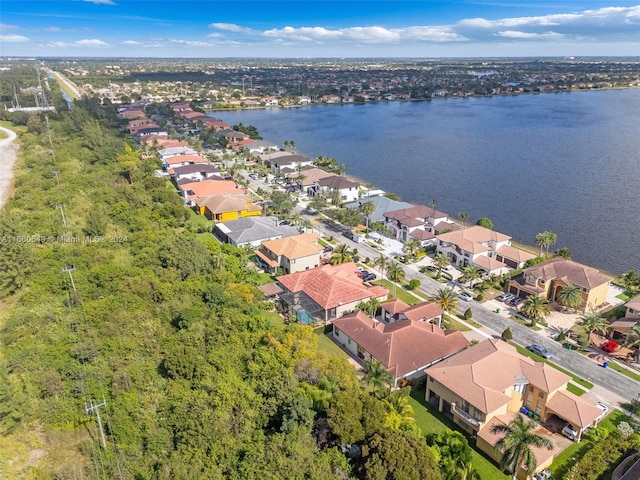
536,308
396,274
412,247
570,296
447,299
367,208
382,264
631,280
306,225
632,340
515,446
471,273
463,216
593,322
369,307
341,254
441,262
376,375
399,411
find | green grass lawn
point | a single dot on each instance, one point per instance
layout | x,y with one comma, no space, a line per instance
429,420
575,389
626,295
624,371
401,293
325,344
273,317
576,379
456,325
264,278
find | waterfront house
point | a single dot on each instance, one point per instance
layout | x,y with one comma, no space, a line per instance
618,329
382,205
289,163
168,152
405,346
259,146
488,250
348,191
291,254
492,380
404,221
325,293
548,278
194,172
181,160
252,231
222,208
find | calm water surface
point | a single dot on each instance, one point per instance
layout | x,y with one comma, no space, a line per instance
568,163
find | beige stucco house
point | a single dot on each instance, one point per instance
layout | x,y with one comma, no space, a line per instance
292,254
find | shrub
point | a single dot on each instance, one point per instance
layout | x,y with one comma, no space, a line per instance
479,298
413,284
507,335
468,314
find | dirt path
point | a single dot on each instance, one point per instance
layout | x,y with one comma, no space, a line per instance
8,155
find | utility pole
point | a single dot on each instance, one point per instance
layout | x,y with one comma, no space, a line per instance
69,270
61,208
95,408
56,173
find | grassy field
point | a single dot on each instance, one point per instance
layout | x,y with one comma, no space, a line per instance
431,421
325,344
575,389
626,295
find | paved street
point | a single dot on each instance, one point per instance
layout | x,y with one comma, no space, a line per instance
611,385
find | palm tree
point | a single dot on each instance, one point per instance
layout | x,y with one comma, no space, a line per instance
446,299
382,264
546,239
516,444
306,225
536,308
412,247
367,208
593,322
471,273
441,262
563,252
463,216
369,307
341,254
396,274
399,411
632,340
570,296
376,375
631,280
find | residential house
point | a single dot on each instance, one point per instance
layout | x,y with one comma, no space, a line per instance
232,135
181,160
382,205
146,132
618,329
347,191
330,98
548,278
404,221
222,208
208,188
304,100
259,146
169,152
289,163
195,172
326,293
404,346
486,249
252,231
162,143
291,254
487,382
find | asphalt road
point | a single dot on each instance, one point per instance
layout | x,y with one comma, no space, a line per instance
610,380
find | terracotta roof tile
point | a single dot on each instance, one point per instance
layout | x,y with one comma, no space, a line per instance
573,409
296,246
572,272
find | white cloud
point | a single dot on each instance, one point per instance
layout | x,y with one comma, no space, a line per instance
192,43
91,42
527,35
13,38
372,35
135,43
6,26
101,2
231,27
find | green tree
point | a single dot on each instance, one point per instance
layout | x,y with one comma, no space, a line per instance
341,254
485,222
447,299
411,248
399,412
536,308
336,199
471,273
382,263
281,203
507,335
441,262
631,280
593,322
516,445
570,296
563,252
344,417
376,375
393,454
453,451
128,162
396,274
546,239
632,340
367,208
463,216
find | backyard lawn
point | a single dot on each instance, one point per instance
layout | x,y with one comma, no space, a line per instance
431,421
401,293
325,344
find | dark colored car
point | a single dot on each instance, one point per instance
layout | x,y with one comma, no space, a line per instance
327,249
368,277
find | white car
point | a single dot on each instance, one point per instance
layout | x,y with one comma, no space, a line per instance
465,296
604,409
570,432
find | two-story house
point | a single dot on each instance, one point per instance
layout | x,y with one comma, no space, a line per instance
406,221
291,254
619,329
222,208
347,190
547,279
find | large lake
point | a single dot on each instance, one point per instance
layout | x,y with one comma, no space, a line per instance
568,162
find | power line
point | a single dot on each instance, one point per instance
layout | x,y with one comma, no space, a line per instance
61,208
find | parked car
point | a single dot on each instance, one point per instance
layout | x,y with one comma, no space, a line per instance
505,297
363,273
465,296
369,277
543,475
610,346
327,249
539,350
285,222
570,432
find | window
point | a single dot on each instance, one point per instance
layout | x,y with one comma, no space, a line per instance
529,400
541,394
531,388
518,388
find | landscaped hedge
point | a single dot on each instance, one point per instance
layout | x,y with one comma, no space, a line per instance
604,456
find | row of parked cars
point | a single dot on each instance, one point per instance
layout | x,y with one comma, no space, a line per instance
510,299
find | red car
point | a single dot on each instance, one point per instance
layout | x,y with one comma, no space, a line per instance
610,346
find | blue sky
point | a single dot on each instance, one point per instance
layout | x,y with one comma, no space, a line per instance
426,28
